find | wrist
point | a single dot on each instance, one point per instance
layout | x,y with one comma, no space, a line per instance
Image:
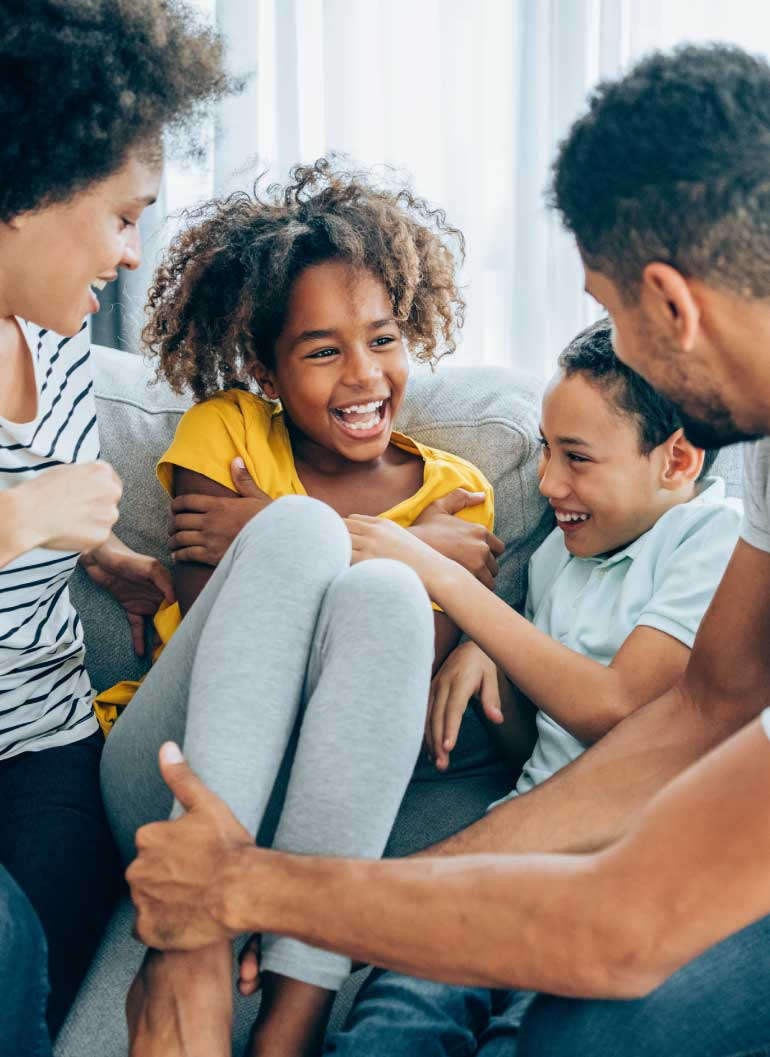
21,528
442,577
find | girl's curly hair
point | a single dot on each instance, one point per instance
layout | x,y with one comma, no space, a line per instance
219,299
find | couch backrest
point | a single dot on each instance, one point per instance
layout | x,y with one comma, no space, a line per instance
488,415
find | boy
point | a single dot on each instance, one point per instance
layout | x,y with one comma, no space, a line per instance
616,594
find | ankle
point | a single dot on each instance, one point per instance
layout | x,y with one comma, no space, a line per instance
292,1018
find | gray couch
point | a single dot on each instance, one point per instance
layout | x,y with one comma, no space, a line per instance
488,415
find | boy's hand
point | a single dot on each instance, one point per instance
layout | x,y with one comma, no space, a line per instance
203,526
140,583
375,537
467,672
469,544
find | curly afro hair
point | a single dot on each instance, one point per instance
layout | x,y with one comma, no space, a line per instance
84,82
672,163
219,299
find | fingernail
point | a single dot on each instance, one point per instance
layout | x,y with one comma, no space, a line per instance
172,753
239,463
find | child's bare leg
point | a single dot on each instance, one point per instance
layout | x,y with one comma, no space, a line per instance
292,1018
181,1005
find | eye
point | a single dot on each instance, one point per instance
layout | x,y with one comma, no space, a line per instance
126,223
386,339
321,354
574,457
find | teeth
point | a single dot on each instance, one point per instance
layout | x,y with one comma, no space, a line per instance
360,409
368,423
99,284
564,516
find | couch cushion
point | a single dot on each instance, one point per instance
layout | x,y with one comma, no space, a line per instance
485,414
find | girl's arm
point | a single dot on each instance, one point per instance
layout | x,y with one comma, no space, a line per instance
190,577
587,698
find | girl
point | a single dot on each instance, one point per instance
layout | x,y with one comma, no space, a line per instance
315,294
86,90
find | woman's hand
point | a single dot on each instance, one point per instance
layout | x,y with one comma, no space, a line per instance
68,508
140,583
375,537
471,545
203,526
467,672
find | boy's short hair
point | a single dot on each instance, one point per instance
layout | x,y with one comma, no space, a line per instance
672,163
591,353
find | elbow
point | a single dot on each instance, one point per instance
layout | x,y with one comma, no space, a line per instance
606,716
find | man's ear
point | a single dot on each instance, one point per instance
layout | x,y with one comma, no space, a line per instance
682,461
265,379
668,299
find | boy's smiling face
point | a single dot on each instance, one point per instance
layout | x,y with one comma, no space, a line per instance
340,364
604,490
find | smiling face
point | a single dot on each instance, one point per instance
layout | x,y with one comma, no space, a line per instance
340,364
605,492
51,259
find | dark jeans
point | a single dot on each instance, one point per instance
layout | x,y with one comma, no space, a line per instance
410,1017
23,976
717,1006
55,843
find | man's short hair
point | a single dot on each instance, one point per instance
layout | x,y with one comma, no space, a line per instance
592,355
671,163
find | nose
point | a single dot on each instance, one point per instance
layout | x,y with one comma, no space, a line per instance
361,368
553,483
132,249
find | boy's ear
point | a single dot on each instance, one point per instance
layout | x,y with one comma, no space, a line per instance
265,379
682,461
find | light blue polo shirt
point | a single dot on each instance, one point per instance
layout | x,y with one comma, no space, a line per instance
665,579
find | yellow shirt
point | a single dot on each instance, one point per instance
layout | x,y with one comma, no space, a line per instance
238,423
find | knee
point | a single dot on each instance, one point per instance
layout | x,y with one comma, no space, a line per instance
307,527
391,594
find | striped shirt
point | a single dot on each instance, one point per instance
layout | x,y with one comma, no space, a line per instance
45,693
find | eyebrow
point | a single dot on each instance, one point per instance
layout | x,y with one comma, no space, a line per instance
147,200
575,441
315,335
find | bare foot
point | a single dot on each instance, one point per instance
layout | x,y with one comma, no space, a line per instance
292,1018
181,1005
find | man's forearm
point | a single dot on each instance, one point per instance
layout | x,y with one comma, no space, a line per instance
488,923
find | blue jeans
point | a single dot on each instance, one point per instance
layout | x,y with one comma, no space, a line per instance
409,1017
23,975
717,1006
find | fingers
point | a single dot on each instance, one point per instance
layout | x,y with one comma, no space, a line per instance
183,782
161,578
489,695
186,521
459,499
436,725
248,966
198,555
186,538
136,623
244,482
495,544
193,504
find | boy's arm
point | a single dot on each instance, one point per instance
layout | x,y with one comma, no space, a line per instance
726,684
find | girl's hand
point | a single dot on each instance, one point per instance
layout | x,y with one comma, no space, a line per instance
467,672
467,543
203,526
140,583
375,537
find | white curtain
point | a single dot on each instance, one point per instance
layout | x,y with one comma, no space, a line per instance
468,100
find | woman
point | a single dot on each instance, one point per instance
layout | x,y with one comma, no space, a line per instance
86,90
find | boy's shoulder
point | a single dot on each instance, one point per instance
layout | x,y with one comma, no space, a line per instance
710,511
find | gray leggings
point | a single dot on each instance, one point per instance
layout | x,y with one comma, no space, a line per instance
285,628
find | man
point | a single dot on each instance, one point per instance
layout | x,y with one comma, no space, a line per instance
665,183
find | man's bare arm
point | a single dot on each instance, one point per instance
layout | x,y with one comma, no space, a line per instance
614,923
726,684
